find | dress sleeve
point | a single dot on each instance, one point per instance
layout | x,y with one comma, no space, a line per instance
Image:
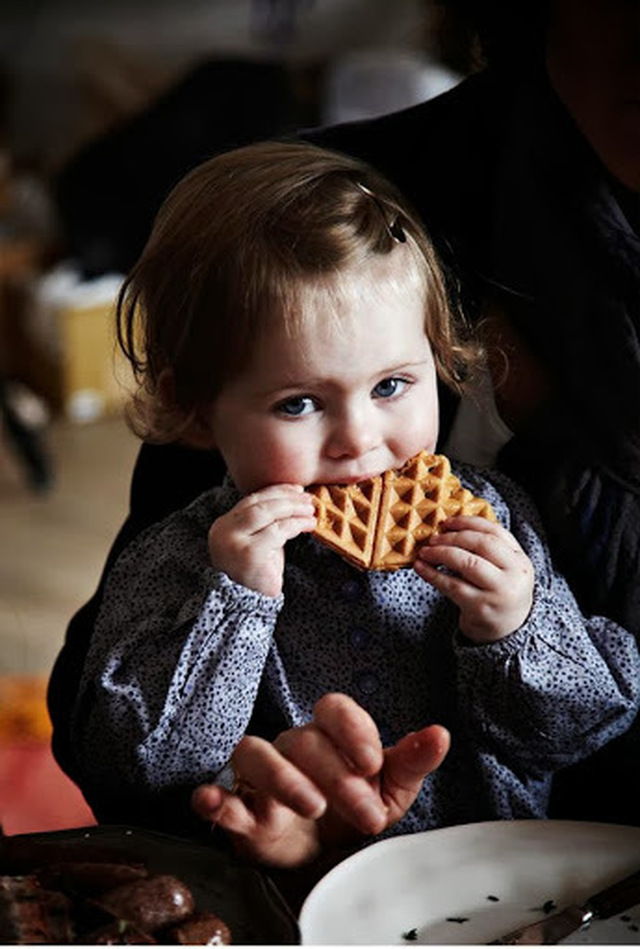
562,685
174,666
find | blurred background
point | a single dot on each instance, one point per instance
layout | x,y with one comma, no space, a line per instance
104,105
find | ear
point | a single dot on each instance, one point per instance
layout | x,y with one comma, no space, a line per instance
197,431
198,434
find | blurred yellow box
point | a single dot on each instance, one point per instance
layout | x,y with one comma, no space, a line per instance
64,344
94,377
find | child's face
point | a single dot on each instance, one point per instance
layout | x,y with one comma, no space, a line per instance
348,395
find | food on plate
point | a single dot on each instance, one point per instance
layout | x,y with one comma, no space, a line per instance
59,894
87,878
29,914
151,903
378,524
201,929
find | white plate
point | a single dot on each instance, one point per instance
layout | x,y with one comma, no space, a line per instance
472,883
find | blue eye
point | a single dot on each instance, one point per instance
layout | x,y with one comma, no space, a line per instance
296,406
388,388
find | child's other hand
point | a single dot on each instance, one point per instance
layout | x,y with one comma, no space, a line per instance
320,786
248,542
488,576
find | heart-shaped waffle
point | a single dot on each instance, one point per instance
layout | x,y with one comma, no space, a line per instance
378,524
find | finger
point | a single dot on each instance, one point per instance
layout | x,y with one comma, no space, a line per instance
497,547
349,793
479,525
277,533
254,514
409,762
213,803
351,730
265,768
207,800
273,491
463,567
446,584
463,594
471,522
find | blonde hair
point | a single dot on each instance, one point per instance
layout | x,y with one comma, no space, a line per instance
229,255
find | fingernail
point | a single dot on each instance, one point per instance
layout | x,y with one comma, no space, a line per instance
310,804
372,817
370,758
367,760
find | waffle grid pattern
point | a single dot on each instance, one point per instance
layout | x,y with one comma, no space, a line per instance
377,524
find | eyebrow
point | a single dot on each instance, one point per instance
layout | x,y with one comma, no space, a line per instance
404,365
311,383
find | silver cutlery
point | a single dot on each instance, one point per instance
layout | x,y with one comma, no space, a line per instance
613,899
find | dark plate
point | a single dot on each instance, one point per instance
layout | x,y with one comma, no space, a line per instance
243,897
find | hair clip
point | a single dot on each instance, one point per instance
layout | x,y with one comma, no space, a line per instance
395,229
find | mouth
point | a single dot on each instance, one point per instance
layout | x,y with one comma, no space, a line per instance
350,479
357,479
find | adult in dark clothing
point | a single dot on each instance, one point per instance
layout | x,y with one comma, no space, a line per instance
109,191
528,178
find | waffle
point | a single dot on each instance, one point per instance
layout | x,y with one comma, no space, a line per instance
378,524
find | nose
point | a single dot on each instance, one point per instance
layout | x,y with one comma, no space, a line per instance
353,434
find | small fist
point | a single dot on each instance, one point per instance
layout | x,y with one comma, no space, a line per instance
248,542
487,575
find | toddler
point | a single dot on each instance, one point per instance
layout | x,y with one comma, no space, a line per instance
289,311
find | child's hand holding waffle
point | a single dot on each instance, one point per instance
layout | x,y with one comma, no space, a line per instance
422,516
487,575
248,542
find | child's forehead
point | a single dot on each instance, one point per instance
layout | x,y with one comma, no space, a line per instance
399,274
375,309
341,349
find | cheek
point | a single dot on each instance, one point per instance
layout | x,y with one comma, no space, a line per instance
426,416
278,457
418,428
426,429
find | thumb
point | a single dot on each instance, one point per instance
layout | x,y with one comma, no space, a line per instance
409,762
